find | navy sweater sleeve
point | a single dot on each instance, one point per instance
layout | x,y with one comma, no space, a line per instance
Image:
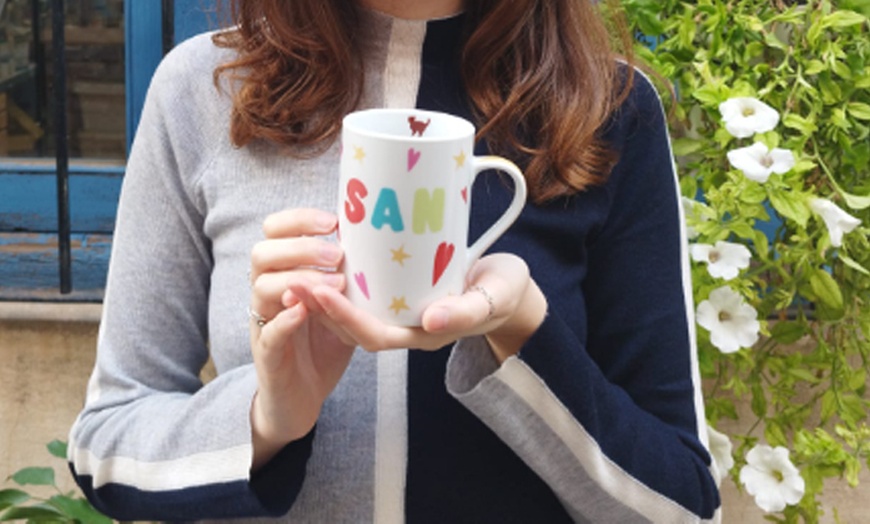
603,402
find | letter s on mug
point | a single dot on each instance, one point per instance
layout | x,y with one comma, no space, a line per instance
353,206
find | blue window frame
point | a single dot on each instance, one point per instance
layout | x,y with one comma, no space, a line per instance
29,256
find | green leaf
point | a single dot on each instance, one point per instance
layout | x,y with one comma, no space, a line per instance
843,18
752,194
841,70
788,332
815,32
852,264
831,92
815,67
829,404
799,123
853,408
853,468
762,246
858,380
12,497
865,326
826,289
78,509
57,449
790,206
855,201
744,231
709,95
649,23
803,165
838,118
772,40
33,514
859,110
803,374
34,476
774,435
759,401
686,146
860,6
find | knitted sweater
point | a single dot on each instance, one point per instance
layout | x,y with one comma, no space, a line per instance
599,418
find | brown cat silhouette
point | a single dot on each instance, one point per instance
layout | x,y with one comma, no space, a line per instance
418,127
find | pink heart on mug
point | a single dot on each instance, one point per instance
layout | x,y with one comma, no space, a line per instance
413,158
443,255
465,194
363,285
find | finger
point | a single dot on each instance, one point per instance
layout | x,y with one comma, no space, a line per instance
496,284
267,297
302,289
299,222
369,332
270,287
290,253
301,292
271,346
468,313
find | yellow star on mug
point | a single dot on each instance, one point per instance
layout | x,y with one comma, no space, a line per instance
460,159
398,305
359,153
399,255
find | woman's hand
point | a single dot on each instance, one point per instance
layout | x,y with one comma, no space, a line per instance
502,302
299,360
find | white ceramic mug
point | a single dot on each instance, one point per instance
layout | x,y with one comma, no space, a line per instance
404,208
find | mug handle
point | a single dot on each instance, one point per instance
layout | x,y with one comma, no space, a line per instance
511,213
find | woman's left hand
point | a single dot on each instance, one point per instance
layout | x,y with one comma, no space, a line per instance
502,301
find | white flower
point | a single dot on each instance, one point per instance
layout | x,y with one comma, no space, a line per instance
724,259
732,323
720,448
771,477
745,116
837,220
757,161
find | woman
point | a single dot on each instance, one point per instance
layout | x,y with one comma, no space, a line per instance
565,390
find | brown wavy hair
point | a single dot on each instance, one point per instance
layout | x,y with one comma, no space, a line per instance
545,70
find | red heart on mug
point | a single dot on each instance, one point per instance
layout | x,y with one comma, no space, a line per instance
443,255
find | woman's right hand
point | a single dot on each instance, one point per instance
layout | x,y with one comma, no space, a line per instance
298,359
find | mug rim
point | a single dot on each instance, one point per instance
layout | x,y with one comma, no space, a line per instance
351,122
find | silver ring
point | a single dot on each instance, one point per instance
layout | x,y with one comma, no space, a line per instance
256,317
487,297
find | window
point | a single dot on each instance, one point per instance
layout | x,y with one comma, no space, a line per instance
57,216
94,52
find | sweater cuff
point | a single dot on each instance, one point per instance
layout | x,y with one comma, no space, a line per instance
277,484
471,363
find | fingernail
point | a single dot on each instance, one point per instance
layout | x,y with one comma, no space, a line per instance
289,299
330,253
333,280
438,319
294,311
325,221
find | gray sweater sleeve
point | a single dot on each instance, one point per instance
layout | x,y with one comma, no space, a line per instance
152,441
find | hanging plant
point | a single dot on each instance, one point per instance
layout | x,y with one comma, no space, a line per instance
771,121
